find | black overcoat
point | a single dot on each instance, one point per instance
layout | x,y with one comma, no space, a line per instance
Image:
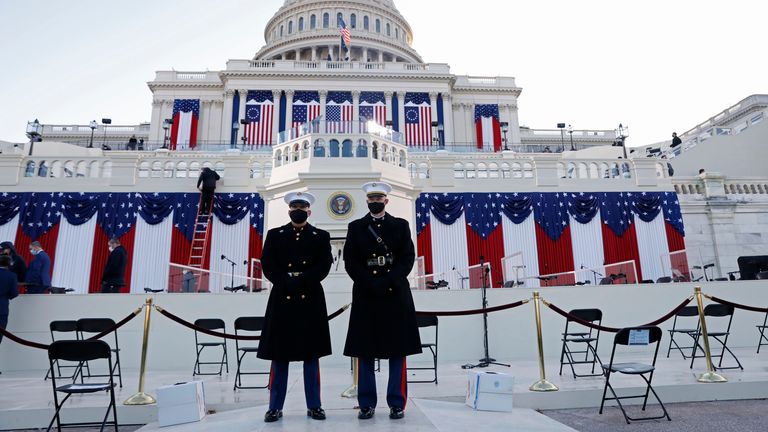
296,319
114,270
382,322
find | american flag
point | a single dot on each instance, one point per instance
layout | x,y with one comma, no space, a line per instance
259,115
373,107
338,112
418,120
487,127
186,113
306,107
41,213
344,30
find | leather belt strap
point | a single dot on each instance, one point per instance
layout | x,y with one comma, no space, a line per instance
380,261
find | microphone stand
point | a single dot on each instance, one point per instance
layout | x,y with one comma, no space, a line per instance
232,281
595,273
486,360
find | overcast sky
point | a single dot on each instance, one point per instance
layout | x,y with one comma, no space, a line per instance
657,66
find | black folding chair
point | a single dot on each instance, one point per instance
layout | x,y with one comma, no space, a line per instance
210,324
251,325
690,325
664,279
761,329
95,326
634,336
424,321
587,338
81,351
715,310
63,326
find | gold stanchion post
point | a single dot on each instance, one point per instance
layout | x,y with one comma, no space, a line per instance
542,385
352,390
142,398
710,376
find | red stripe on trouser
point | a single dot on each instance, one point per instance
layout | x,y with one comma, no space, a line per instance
319,387
271,375
404,385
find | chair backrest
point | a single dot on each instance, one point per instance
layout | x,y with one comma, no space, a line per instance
606,281
79,350
646,281
761,275
426,320
718,310
63,326
249,323
664,279
627,336
210,323
688,311
94,325
590,315
509,284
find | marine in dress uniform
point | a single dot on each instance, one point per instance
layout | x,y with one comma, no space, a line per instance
378,256
296,258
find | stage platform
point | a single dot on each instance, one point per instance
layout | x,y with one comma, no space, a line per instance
26,401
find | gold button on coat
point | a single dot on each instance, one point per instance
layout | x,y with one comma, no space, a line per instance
287,297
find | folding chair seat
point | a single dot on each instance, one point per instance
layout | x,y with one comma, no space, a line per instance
689,325
664,279
423,321
716,331
81,351
634,336
208,342
761,275
605,281
252,325
63,326
589,339
761,329
92,326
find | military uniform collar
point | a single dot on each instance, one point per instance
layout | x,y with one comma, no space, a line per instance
371,218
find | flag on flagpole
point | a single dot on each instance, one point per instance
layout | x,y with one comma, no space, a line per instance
346,36
259,116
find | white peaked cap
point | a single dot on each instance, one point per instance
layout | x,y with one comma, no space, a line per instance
377,188
306,197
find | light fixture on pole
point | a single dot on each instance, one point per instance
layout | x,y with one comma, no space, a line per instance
570,132
244,138
235,128
435,137
167,123
105,122
561,126
34,133
93,127
621,138
441,136
504,130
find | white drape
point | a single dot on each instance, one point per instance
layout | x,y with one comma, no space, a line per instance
185,129
588,251
8,231
449,252
522,238
151,255
232,241
652,245
488,130
74,251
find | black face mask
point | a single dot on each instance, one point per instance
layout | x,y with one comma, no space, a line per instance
298,216
376,207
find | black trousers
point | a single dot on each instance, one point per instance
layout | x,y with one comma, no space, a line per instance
36,289
108,288
206,200
3,323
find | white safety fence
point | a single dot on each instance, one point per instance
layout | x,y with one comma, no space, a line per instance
185,279
475,276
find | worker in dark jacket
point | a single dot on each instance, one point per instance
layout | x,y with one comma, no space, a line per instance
9,289
378,256
113,277
206,183
296,258
18,266
38,277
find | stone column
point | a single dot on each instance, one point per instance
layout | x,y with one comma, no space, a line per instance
514,125
226,121
156,125
203,137
241,128
448,134
365,55
314,53
323,102
388,101
288,109
471,139
330,52
401,111
276,116
297,55
216,125
381,56
355,111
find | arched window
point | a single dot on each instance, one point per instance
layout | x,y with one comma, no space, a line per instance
339,18
346,149
326,20
335,151
362,149
281,31
378,25
42,171
30,171
366,23
290,27
301,24
319,150
353,21
397,32
389,30
256,170
312,22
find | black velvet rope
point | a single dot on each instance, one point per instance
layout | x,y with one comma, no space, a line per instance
738,306
473,311
614,329
226,335
122,322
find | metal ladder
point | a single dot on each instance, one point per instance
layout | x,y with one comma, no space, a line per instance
200,237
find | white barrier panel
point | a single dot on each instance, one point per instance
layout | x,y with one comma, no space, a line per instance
475,276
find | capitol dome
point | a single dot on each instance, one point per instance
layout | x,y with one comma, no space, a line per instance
307,30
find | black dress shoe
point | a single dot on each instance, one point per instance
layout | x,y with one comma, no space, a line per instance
396,413
272,416
316,413
366,413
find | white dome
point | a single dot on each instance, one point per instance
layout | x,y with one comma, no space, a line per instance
307,30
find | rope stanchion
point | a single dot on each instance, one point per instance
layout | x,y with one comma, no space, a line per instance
542,385
21,341
736,305
142,398
474,311
121,323
710,376
614,329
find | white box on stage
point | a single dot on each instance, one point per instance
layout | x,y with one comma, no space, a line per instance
180,403
490,391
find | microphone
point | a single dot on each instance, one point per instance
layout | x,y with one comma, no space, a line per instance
223,257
